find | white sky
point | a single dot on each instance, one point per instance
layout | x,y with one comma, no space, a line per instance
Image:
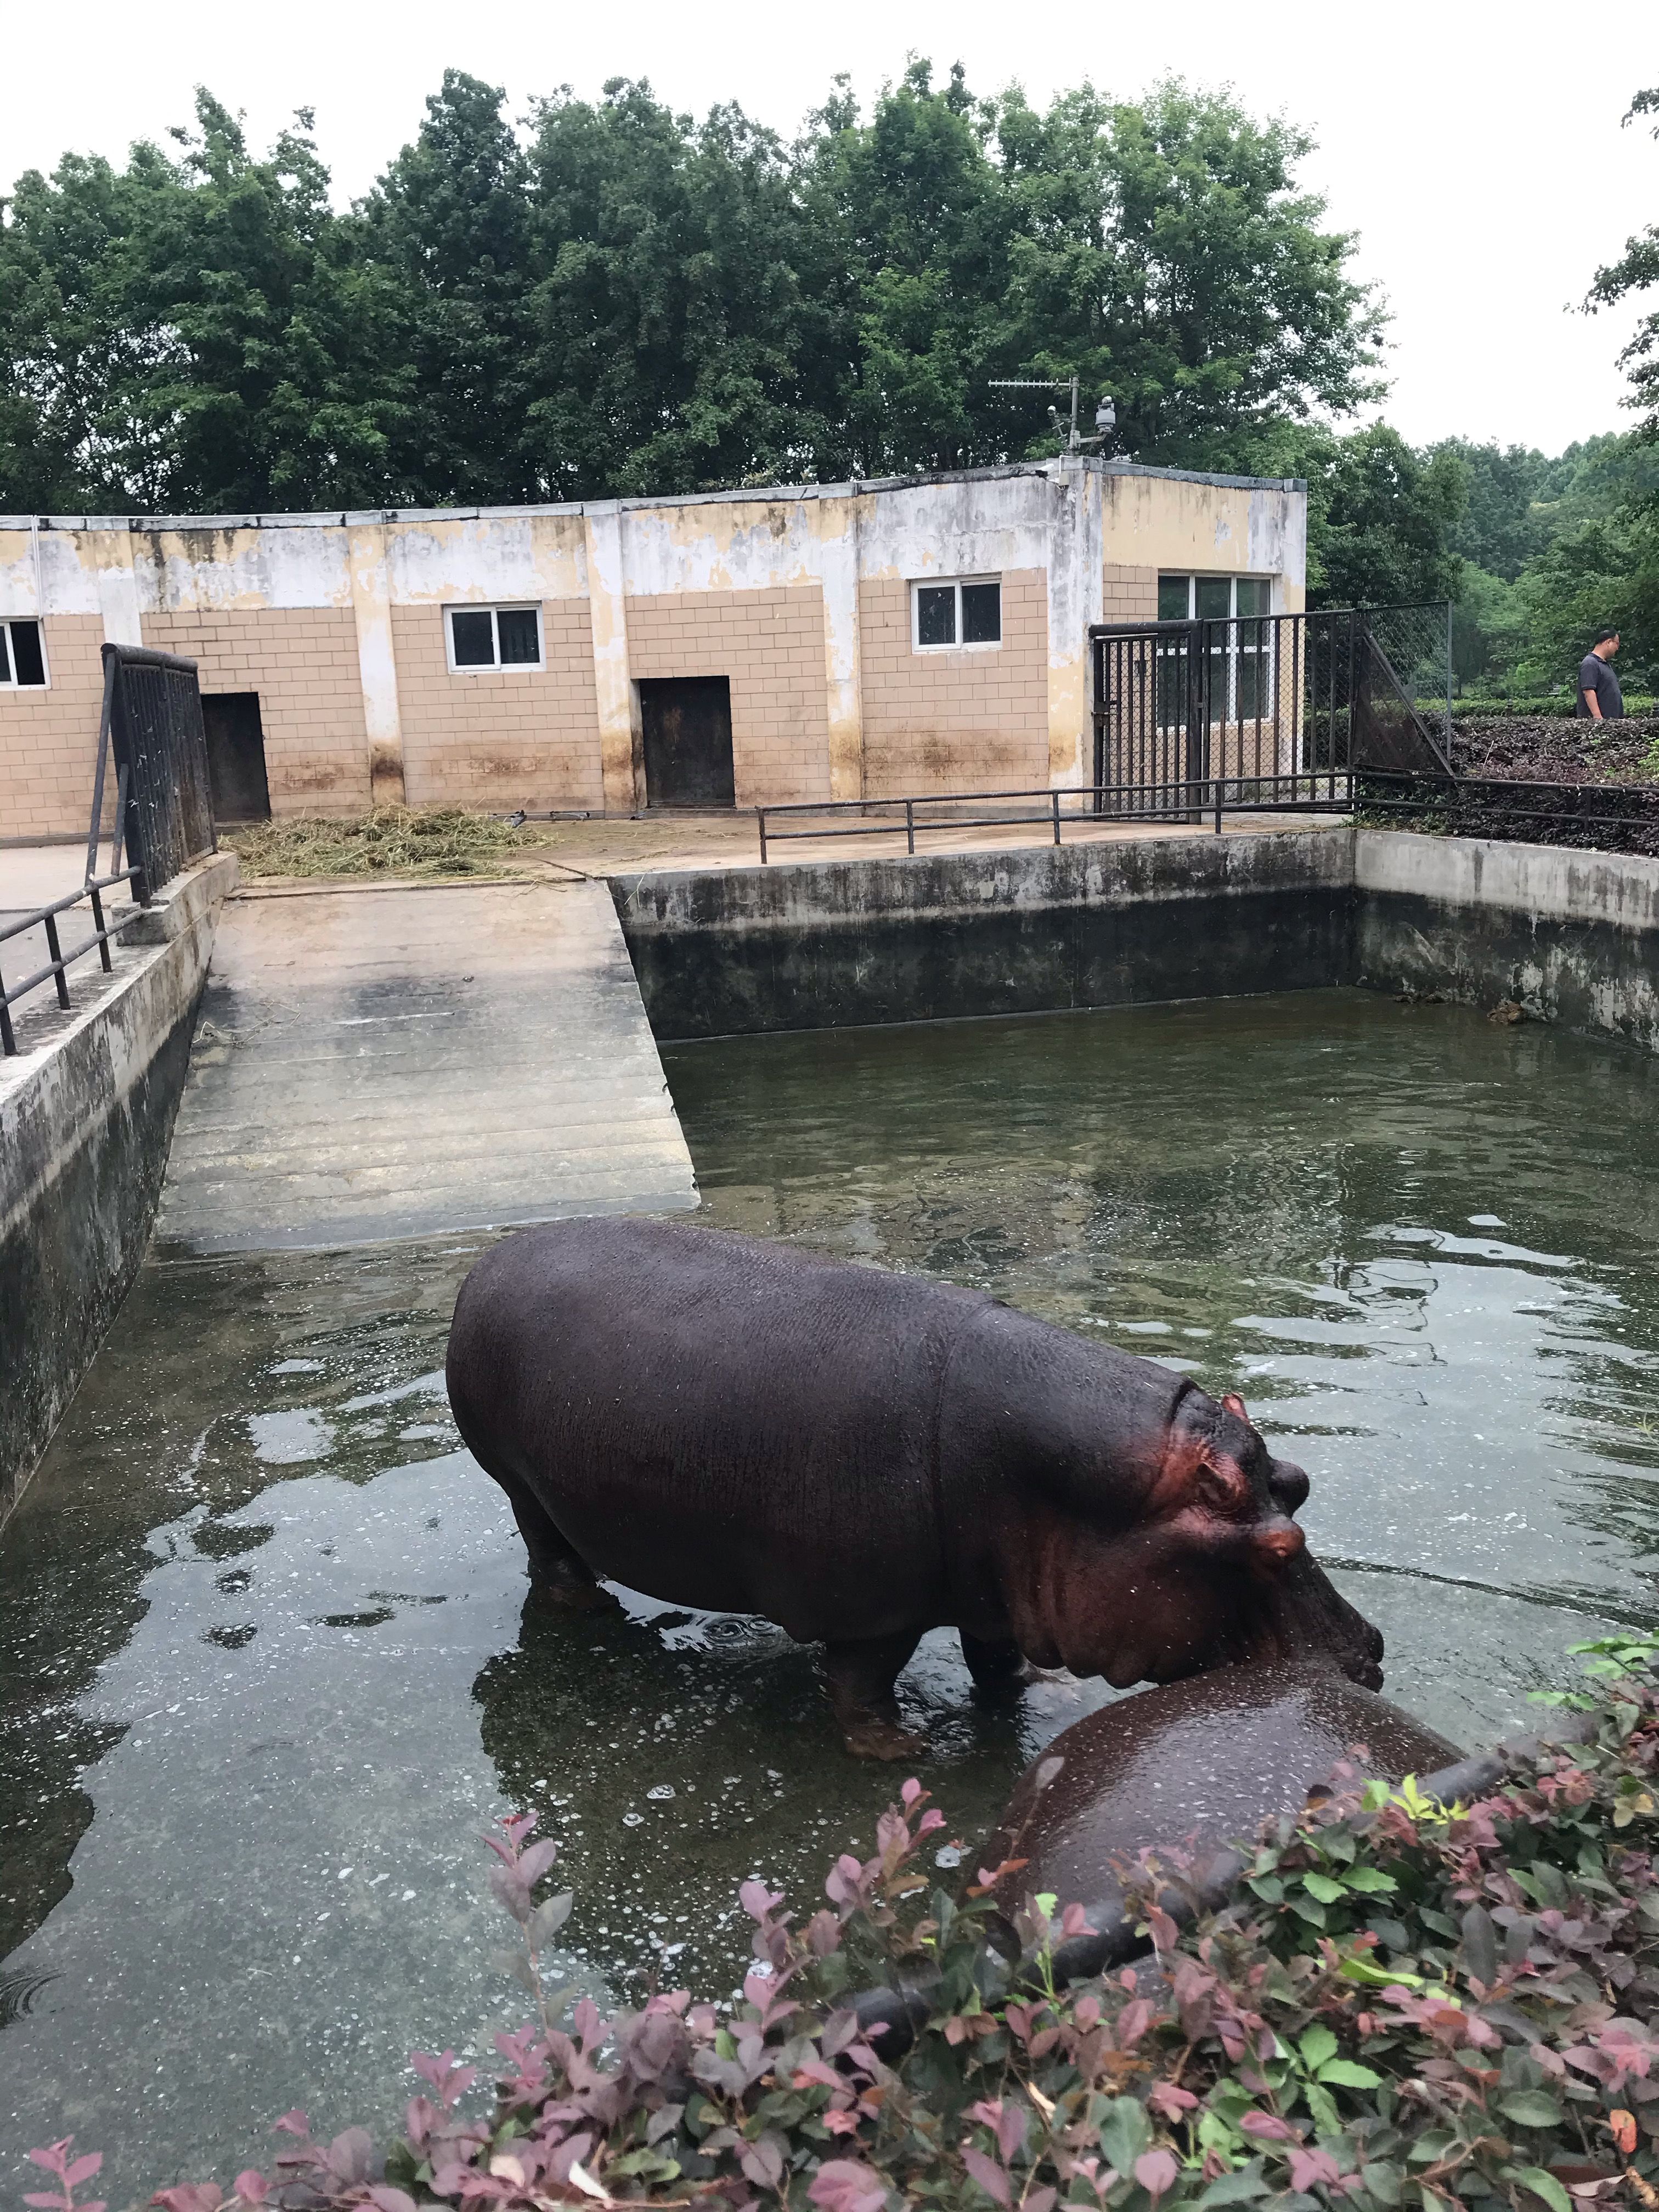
1477,149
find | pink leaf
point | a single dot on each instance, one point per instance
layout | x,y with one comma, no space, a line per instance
252,2186
909,1795
39,2198
988,2174
1308,2166
758,1900
847,2185
83,2168
293,2124
1267,2127
1171,2101
1156,2171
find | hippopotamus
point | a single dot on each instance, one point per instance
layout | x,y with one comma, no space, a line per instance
1197,1764
724,1422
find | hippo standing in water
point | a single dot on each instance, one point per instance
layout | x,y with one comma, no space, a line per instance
735,1425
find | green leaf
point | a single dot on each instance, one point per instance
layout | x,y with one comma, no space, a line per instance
1241,2188
1307,1910
1318,2046
1322,1887
1124,2133
1269,1888
1545,2185
1321,2103
1347,2074
1530,2108
1370,1881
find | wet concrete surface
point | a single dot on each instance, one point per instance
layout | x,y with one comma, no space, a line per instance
267,1664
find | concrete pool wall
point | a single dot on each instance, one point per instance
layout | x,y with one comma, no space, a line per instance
86,1118
1571,937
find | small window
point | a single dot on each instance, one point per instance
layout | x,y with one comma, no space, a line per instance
966,612
494,637
1213,598
22,656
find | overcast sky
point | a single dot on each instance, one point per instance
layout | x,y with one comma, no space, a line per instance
1476,149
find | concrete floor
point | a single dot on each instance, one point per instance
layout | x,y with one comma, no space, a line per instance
373,1064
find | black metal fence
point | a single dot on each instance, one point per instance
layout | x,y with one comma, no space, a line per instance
1294,702
152,728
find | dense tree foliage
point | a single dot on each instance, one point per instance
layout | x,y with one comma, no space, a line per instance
614,299
610,299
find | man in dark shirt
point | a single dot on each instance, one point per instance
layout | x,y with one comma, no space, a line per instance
1600,698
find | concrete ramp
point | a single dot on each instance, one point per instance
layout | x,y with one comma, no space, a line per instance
386,1063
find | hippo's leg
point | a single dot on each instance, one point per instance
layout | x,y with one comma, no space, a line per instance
860,1679
557,1572
999,1668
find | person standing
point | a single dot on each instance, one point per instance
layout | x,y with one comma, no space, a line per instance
1600,698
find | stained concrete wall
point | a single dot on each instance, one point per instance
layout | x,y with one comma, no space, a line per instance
335,620
85,1120
743,950
1573,937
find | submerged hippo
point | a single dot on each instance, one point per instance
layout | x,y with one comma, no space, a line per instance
1200,1763
860,1457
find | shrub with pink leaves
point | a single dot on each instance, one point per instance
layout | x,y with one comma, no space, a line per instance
1402,2003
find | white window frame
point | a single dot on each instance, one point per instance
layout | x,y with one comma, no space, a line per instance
9,682
494,609
921,584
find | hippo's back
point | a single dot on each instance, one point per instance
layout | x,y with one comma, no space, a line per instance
717,1420
1217,1753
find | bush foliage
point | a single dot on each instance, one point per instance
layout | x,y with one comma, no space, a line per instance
1403,2003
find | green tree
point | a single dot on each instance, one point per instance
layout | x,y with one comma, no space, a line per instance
194,332
1381,517
670,349
451,227
1636,269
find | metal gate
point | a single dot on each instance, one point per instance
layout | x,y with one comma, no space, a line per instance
1265,710
152,726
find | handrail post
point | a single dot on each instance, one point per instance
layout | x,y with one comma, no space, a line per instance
760,817
8,1035
910,827
57,953
1217,806
1056,798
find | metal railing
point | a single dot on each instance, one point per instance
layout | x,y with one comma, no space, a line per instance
1085,807
59,961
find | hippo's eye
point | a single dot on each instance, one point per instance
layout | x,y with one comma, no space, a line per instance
1218,1488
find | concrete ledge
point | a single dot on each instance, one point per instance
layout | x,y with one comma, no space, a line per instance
727,951
85,1120
1571,937
1547,883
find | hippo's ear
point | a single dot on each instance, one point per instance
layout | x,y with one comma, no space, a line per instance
1234,1406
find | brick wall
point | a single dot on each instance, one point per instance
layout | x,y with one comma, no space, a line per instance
49,740
974,719
302,661
770,645
503,737
1131,595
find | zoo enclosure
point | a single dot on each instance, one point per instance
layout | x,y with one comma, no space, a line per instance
151,725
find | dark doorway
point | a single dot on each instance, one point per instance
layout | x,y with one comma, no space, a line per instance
686,725
236,757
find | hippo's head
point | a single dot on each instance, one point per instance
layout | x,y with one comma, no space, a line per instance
1196,1563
